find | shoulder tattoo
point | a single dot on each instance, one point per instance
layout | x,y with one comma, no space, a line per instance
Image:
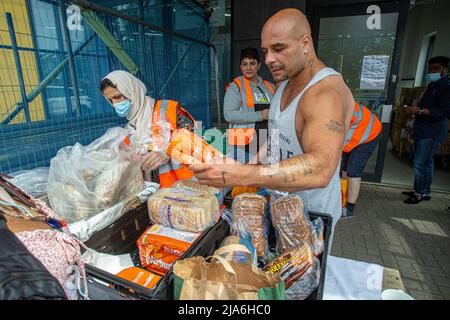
335,126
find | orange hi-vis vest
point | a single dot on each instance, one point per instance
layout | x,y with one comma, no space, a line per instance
170,172
364,127
242,134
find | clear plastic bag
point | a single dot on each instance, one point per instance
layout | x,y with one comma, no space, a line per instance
250,221
33,181
299,269
156,137
302,288
317,228
185,209
85,180
227,215
291,222
189,148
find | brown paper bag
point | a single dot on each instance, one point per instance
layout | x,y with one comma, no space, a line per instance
215,278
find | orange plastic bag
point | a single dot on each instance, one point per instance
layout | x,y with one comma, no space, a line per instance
188,148
140,276
160,246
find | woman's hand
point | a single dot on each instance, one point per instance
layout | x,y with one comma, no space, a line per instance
265,114
153,160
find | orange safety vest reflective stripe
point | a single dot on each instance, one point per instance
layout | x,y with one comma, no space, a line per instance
170,172
243,136
364,127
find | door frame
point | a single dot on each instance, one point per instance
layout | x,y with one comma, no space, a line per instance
338,8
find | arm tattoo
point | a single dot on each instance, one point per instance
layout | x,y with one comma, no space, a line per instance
299,164
335,126
223,177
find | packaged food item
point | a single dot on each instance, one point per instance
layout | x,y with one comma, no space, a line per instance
188,148
299,270
290,221
237,254
184,208
140,276
193,184
249,219
160,246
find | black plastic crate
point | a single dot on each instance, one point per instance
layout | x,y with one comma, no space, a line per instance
327,222
327,225
120,238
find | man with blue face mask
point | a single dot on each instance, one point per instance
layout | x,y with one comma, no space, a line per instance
430,127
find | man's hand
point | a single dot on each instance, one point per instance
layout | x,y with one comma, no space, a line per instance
153,160
411,110
265,114
223,175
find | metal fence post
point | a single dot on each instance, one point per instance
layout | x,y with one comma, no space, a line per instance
60,57
73,73
37,57
23,93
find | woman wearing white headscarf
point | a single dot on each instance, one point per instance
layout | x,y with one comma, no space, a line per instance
127,95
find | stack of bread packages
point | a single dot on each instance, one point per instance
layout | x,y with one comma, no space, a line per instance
297,263
180,214
250,221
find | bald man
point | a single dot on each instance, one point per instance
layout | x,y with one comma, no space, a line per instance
309,116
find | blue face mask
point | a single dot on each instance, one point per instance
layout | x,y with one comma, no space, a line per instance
433,77
122,108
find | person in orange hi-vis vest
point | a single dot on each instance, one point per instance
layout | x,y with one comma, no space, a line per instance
360,142
150,125
246,108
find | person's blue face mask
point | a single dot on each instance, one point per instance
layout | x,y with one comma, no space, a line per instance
122,108
433,77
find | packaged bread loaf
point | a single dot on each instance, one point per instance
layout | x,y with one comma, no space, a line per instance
290,221
249,219
188,148
193,184
160,246
184,208
299,269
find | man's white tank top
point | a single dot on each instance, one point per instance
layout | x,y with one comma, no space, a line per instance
284,144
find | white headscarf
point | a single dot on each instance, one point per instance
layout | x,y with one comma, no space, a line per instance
141,112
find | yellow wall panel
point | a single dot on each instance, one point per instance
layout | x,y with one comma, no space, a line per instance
9,81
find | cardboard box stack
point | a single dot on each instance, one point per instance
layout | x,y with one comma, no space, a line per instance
402,123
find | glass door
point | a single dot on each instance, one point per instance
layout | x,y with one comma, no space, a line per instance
365,48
